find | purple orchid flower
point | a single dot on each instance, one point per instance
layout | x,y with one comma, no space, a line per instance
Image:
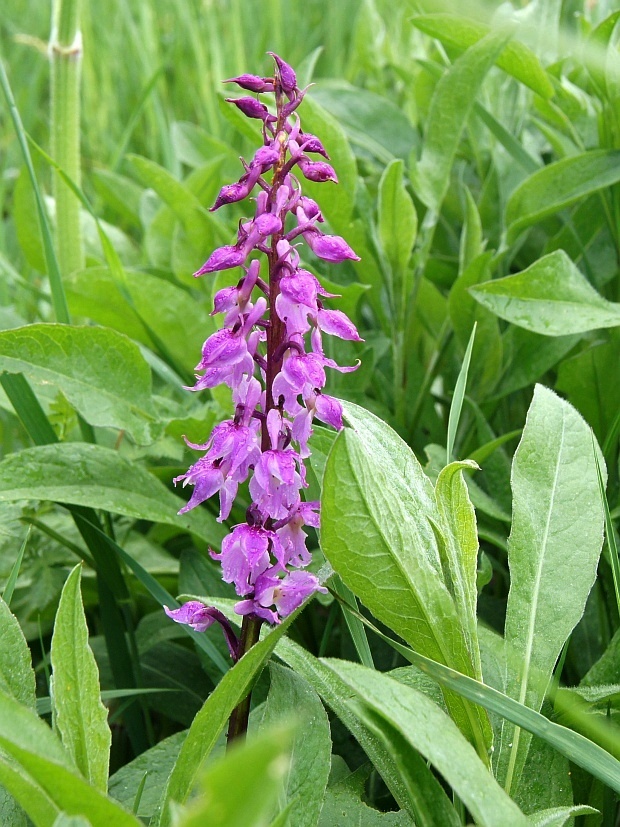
269,352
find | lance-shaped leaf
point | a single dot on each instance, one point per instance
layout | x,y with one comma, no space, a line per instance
380,531
17,679
91,475
292,698
460,32
554,547
211,720
387,705
79,716
460,548
41,775
450,107
101,372
559,185
551,297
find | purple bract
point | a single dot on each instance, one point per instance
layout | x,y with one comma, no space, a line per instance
270,353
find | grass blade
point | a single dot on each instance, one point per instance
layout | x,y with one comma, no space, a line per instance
459,394
59,300
10,583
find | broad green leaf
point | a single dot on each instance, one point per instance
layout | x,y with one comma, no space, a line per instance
551,297
528,356
203,229
212,718
16,674
79,716
100,371
291,697
559,185
156,763
578,749
57,786
554,547
336,694
239,790
462,32
559,816
338,207
606,670
451,105
90,475
380,700
460,548
17,679
372,122
344,807
378,513
194,146
64,820
94,293
584,380
398,221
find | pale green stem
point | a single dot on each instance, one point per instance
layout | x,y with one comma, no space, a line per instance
65,51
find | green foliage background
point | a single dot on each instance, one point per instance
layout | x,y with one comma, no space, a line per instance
478,152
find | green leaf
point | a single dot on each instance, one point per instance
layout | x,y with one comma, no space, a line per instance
94,294
554,547
290,696
213,717
398,221
551,297
156,763
458,396
64,820
59,300
90,475
559,185
378,513
336,694
419,720
239,790
100,371
583,380
451,105
558,816
372,122
344,807
16,674
581,751
45,782
204,230
465,311
460,549
79,716
461,33
528,356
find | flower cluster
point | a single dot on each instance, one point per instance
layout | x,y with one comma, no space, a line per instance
269,352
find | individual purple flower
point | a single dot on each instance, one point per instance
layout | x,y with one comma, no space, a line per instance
246,554
200,617
251,108
317,171
288,79
329,247
269,352
253,83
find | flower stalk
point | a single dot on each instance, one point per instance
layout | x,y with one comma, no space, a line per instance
277,383
65,51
